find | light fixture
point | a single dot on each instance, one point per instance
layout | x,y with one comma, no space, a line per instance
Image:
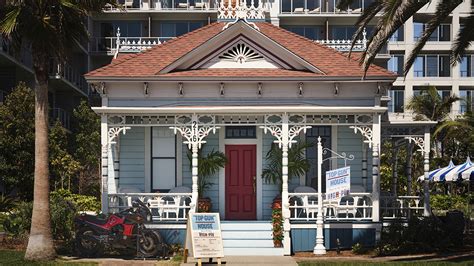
336,88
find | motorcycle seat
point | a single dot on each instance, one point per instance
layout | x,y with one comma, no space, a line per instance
94,219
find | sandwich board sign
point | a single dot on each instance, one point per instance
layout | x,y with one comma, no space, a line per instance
338,183
203,235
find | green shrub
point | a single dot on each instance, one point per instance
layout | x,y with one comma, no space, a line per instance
358,249
428,234
64,206
441,203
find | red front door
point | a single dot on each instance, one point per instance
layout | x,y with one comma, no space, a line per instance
240,182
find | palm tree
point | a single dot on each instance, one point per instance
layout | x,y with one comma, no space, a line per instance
429,105
50,28
394,13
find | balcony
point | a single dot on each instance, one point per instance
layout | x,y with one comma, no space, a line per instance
315,7
64,72
163,6
61,115
126,44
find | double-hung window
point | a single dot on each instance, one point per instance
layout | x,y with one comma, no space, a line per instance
163,159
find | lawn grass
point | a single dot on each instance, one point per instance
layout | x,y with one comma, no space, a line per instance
404,263
14,257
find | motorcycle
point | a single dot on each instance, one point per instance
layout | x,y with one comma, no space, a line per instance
124,231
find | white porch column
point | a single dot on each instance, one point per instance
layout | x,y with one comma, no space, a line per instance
194,133
376,130
426,163
364,166
104,141
284,186
285,131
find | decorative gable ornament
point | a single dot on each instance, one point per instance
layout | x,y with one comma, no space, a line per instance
238,10
241,53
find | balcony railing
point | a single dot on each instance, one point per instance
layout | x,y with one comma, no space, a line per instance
163,206
62,115
298,7
126,44
345,45
163,5
22,55
65,71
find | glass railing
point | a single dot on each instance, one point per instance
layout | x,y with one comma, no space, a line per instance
179,5
321,7
22,55
65,71
61,115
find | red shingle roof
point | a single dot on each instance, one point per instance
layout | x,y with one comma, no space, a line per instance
149,63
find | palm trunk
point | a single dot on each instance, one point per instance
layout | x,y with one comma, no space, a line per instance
40,242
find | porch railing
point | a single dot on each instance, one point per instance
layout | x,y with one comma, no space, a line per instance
356,206
163,206
67,72
401,207
127,44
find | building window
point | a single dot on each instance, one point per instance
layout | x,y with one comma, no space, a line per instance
467,66
240,132
343,32
398,35
312,135
397,97
163,157
395,64
176,29
467,100
432,66
441,34
443,91
310,32
300,6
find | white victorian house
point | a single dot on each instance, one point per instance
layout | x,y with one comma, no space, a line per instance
238,87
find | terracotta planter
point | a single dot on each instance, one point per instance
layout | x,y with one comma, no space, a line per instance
204,205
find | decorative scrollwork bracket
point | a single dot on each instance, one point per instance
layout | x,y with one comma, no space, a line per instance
366,132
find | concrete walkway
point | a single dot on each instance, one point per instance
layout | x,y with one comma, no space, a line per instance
248,260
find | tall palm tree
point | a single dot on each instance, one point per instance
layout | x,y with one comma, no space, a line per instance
429,105
394,13
50,28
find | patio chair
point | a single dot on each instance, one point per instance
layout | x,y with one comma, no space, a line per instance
128,4
299,10
316,10
309,203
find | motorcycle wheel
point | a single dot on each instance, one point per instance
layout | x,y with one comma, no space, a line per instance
86,244
150,244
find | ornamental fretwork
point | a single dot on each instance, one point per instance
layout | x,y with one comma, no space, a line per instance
238,10
194,128
419,141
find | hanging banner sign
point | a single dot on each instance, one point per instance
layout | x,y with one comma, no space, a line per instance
203,236
338,183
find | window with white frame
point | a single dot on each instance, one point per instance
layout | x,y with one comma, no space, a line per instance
395,64
397,96
163,159
432,66
467,99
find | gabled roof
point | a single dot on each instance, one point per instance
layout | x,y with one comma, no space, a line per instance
174,58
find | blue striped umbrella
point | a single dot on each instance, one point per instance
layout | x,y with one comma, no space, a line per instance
453,174
467,174
433,173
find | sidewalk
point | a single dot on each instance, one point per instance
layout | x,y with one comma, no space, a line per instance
248,260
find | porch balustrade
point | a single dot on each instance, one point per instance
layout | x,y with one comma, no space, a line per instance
356,206
163,206
401,207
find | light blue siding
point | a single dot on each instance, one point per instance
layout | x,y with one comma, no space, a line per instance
304,239
269,190
351,143
132,159
213,192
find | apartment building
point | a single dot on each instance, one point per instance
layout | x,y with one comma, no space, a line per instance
144,23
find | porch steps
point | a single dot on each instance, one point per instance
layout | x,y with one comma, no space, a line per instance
248,238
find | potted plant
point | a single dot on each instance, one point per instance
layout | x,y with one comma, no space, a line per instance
298,165
208,165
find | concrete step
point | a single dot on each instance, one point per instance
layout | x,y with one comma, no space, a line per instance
246,226
253,243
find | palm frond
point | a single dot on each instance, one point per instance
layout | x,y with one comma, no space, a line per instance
369,13
443,10
464,39
394,14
